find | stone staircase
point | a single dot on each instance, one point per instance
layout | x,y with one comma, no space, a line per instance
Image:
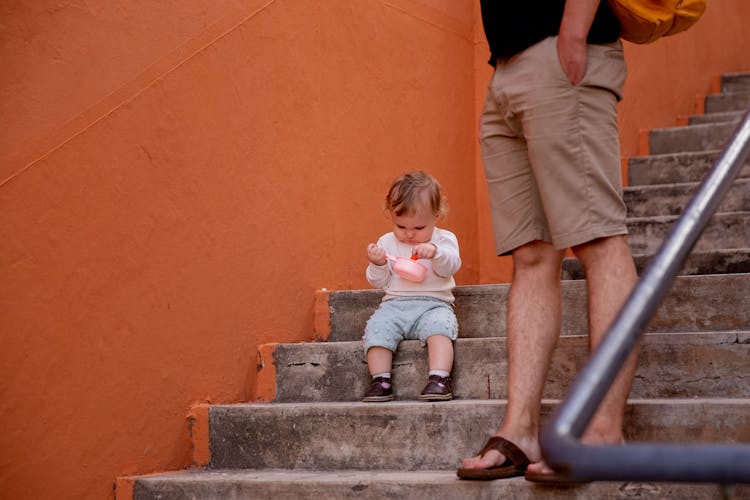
316,440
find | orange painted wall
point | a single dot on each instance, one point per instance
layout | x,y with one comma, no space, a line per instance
664,80
178,178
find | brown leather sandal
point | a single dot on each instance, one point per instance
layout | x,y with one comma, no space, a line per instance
553,478
515,463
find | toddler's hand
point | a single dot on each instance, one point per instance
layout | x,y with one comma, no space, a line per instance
376,254
424,251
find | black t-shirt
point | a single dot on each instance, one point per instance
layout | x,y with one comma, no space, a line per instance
514,25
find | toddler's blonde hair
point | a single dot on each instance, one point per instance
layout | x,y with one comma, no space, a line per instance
411,190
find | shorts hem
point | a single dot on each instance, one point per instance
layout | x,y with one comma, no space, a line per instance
367,347
508,247
566,241
579,238
424,342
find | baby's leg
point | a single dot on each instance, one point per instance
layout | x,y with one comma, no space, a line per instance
440,359
381,339
379,360
439,353
438,328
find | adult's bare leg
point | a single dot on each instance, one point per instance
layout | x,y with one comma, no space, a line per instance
533,326
610,277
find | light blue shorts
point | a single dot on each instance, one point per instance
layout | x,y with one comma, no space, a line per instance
409,318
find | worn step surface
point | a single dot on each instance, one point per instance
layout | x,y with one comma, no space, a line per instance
700,364
728,116
728,101
671,199
735,82
722,261
396,484
673,168
701,137
367,436
724,230
694,304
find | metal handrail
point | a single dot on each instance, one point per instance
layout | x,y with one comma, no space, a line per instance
560,438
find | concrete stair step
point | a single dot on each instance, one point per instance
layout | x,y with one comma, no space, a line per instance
724,231
735,82
671,199
372,436
728,101
674,168
396,484
696,364
726,117
703,137
693,304
727,261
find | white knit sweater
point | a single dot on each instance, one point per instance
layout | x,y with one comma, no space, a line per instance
438,283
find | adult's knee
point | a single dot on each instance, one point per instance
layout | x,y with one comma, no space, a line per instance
537,255
603,249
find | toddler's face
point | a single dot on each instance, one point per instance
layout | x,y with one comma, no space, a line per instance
414,228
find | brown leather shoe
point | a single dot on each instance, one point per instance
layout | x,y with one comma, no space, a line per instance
377,393
437,389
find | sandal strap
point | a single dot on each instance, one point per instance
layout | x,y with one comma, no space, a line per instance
509,450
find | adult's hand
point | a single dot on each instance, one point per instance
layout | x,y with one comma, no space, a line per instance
572,54
571,41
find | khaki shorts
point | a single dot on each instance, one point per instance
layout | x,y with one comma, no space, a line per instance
550,149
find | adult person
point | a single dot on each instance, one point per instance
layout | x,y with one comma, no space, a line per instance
550,149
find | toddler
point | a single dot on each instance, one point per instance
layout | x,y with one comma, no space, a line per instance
413,310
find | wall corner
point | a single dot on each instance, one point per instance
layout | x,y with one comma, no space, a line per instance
322,315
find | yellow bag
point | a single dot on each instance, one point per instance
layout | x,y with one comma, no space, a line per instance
644,21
